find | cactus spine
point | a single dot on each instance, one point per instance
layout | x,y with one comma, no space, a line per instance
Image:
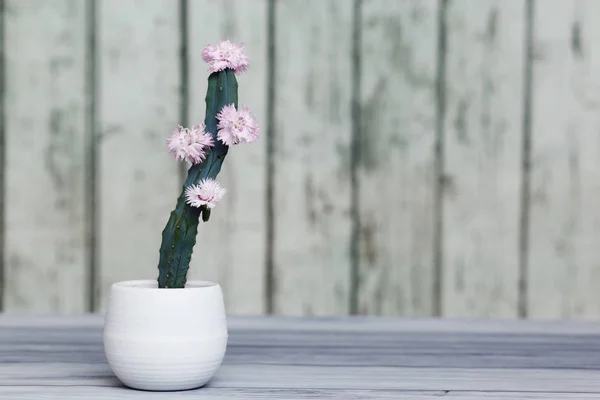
179,235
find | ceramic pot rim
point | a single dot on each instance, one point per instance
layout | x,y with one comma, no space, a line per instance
152,285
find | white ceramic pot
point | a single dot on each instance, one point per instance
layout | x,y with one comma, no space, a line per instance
165,339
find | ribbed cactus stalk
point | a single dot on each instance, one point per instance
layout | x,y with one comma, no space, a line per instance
179,235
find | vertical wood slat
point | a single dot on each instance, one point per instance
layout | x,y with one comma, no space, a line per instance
91,156
138,106
231,245
270,159
312,157
396,157
45,255
564,260
482,152
2,152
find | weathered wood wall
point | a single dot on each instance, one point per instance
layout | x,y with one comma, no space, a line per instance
419,157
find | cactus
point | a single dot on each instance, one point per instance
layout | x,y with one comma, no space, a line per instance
179,235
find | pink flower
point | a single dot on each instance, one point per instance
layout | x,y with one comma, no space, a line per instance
236,126
200,135
208,193
226,55
189,144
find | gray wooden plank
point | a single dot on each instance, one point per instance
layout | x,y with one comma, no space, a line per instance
45,256
563,268
231,247
487,395
396,161
327,377
335,348
99,393
484,95
328,362
389,324
138,106
314,377
312,171
330,359
340,324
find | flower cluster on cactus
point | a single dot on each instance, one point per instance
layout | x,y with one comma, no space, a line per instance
226,55
190,145
207,193
205,146
237,126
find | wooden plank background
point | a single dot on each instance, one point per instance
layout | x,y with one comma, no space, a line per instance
482,157
44,105
418,157
395,163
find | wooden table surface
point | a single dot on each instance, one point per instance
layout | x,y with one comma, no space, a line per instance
348,358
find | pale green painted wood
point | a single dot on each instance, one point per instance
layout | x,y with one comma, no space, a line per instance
485,60
396,163
231,245
312,157
138,106
564,256
44,255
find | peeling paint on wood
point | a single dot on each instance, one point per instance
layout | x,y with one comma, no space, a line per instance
564,256
3,13
398,54
484,89
138,45
490,263
45,255
312,185
231,245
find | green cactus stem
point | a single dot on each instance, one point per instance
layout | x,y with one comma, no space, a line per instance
179,235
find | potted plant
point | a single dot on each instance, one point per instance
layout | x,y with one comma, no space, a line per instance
171,334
